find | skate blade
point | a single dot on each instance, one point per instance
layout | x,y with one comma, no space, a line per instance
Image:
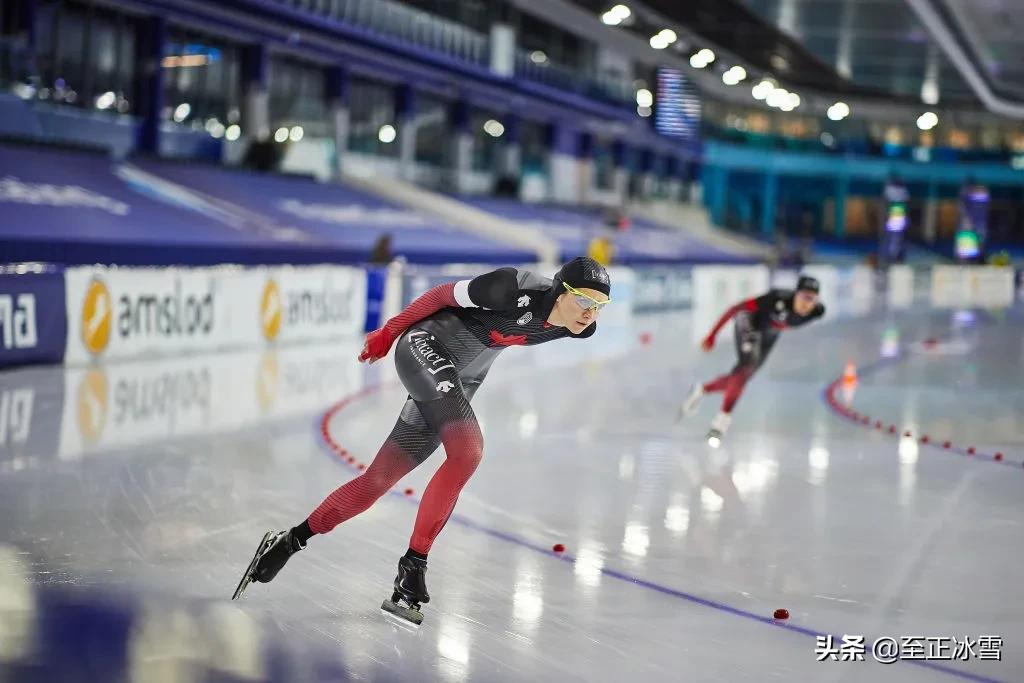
406,616
247,576
714,439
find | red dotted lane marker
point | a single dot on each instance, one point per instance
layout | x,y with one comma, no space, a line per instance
854,416
337,448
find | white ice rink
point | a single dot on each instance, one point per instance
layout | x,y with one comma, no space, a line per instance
156,480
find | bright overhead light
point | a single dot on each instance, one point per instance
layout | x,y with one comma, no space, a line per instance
734,75
697,63
644,97
538,57
296,133
838,111
643,111
182,111
233,132
707,55
616,15
794,100
387,133
658,42
778,97
281,134
669,35
762,89
106,100
494,128
927,120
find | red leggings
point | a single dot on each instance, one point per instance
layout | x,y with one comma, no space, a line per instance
420,429
731,384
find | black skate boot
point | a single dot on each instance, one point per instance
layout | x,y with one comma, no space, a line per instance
410,588
271,555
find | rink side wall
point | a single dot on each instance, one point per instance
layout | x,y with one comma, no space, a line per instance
87,314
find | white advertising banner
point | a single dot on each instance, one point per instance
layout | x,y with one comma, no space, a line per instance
118,313
983,286
900,292
314,303
716,288
128,312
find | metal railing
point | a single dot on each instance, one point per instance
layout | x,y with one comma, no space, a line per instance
410,25
416,27
567,78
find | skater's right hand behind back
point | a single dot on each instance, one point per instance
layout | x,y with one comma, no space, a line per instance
377,345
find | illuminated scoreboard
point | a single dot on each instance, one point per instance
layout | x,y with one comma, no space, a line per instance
677,111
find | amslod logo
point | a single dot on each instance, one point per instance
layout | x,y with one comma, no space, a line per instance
146,313
97,311
271,311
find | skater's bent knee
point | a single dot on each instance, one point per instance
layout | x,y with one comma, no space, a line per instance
377,481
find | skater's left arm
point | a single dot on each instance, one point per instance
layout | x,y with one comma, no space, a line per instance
745,305
379,342
495,290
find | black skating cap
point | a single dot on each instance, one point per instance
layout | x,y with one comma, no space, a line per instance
584,272
808,284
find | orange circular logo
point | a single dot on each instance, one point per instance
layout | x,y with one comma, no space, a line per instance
270,311
92,405
97,314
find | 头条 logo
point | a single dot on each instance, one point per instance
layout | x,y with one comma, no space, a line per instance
97,315
271,311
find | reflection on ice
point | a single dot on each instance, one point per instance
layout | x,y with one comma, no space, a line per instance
17,607
589,563
817,461
453,645
636,540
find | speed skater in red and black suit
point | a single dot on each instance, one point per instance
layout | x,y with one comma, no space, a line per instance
758,323
447,340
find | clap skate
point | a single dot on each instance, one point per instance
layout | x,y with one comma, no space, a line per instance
410,592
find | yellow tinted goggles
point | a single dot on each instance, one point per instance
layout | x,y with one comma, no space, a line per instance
587,303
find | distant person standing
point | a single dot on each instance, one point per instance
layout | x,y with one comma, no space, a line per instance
895,198
381,254
972,233
601,250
